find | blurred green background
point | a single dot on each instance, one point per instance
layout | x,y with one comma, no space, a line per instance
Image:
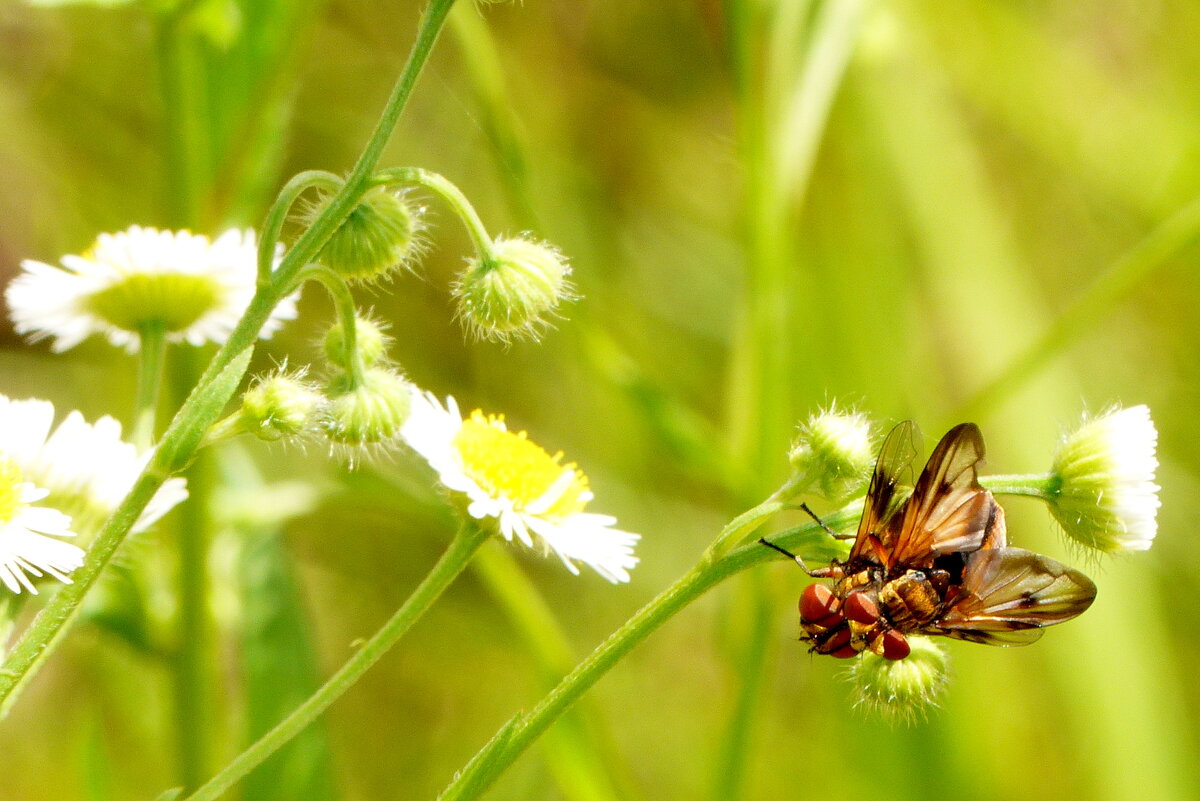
965,209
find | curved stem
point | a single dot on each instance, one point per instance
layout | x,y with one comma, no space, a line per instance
343,301
278,213
151,359
520,733
464,545
415,176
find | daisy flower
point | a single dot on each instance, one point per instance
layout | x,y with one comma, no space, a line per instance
194,288
527,494
85,467
27,534
1104,495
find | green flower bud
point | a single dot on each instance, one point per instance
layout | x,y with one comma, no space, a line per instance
512,292
1102,489
371,341
379,236
832,453
902,689
280,406
367,413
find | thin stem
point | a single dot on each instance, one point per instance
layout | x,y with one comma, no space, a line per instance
343,302
202,408
450,193
1036,485
463,546
151,361
278,213
519,734
741,526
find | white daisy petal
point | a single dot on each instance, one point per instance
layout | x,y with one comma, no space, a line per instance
530,496
199,288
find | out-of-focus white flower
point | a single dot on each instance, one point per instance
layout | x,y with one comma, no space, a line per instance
193,289
86,468
27,534
503,478
1103,490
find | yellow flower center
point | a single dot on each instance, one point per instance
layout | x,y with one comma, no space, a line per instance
507,465
10,489
172,300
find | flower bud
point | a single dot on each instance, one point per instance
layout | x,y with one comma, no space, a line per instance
1102,483
902,689
832,453
513,291
369,412
280,406
369,338
380,235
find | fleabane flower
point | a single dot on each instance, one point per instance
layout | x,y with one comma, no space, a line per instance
29,544
85,467
1102,482
192,288
504,479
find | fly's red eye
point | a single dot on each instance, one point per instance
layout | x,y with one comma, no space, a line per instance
819,605
895,645
860,608
839,645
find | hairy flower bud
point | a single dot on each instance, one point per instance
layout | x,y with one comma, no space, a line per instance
1102,482
369,339
832,453
280,406
367,413
381,235
514,291
901,689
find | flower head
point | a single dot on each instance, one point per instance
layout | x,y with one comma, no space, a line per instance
832,453
28,544
505,480
193,289
901,689
1103,474
381,235
367,412
86,467
280,405
370,339
513,291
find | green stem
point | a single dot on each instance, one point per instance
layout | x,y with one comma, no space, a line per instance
1037,485
519,734
277,215
343,302
186,135
151,361
202,408
464,545
415,176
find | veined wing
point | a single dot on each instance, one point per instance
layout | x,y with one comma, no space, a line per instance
883,502
1009,594
948,511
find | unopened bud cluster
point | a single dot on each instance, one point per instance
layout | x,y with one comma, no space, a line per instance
513,291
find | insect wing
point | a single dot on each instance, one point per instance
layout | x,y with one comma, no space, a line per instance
948,511
1009,594
882,502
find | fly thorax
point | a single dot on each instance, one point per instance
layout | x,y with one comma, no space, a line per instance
910,601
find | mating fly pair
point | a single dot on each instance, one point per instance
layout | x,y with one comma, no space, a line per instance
936,562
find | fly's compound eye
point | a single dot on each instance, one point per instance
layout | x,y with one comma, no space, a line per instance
894,646
819,606
860,608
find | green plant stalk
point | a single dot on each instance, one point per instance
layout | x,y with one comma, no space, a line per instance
216,386
1035,485
187,142
278,213
151,361
415,176
456,557
522,731
343,302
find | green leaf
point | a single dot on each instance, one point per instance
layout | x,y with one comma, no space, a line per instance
281,672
